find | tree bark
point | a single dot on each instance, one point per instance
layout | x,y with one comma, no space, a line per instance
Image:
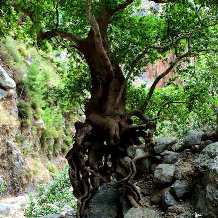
100,152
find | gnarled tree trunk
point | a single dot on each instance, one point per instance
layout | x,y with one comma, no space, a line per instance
101,152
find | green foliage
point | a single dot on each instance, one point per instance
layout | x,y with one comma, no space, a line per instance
3,188
51,198
185,103
178,27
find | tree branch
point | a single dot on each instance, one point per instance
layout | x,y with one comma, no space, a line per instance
161,76
62,34
98,39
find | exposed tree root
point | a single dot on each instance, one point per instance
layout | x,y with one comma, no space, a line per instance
100,155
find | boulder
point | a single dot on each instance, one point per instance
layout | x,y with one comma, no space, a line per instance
105,203
208,154
180,188
206,188
6,82
40,124
167,199
163,143
193,137
169,157
164,173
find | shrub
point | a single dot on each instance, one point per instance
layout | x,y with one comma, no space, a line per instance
51,198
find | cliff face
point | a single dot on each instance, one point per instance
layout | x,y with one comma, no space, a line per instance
154,70
12,165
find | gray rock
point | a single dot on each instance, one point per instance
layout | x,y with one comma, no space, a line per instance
4,210
3,94
142,213
169,157
105,202
206,190
180,188
163,143
69,212
6,81
193,137
167,199
164,173
178,147
39,124
211,151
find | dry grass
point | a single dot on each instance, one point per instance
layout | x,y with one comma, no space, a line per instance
6,119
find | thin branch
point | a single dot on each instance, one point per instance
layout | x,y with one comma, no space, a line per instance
161,76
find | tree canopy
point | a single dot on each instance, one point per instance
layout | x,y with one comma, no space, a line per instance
117,39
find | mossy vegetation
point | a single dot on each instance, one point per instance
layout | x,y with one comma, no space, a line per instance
37,75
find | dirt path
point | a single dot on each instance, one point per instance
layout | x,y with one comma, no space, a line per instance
13,207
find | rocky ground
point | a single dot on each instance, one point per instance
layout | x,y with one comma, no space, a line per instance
13,207
182,182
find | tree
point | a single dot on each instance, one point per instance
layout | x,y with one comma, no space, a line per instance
116,40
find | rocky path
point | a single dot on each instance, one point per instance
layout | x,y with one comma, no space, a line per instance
13,207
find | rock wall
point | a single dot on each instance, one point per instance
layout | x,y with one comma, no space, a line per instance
12,164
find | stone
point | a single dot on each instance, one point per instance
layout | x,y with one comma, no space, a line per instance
167,199
6,81
69,212
180,188
169,157
211,150
105,203
39,124
206,189
164,173
3,94
4,210
163,143
193,137
141,213
178,147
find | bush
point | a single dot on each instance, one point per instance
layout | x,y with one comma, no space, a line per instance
51,198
